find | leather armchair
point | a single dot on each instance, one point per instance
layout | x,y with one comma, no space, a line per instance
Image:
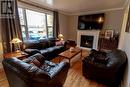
109,72
20,73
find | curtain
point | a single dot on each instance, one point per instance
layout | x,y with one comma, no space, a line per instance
56,24
10,28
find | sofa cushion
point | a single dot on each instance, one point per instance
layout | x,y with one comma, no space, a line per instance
99,56
47,43
47,66
101,60
51,43
44,52
44,43
31,51
51,52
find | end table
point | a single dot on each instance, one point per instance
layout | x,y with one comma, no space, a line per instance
20,55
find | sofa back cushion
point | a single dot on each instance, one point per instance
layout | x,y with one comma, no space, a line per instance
31,44
46,43
116,58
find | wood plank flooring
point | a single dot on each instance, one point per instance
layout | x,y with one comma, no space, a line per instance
74,78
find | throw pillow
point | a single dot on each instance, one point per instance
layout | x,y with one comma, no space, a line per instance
35,62
58,43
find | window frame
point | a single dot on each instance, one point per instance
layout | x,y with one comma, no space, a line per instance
46,22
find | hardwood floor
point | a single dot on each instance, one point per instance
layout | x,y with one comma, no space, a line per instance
74,78
3,80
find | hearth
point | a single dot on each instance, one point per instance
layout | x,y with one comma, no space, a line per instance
86,41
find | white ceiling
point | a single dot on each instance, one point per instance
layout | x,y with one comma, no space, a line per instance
75,6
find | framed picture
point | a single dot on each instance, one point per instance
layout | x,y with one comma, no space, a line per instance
109,33
128,22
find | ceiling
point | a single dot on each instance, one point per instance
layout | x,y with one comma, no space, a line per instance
76,6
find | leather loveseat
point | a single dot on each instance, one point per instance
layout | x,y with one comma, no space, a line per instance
28,73
47,47
108,70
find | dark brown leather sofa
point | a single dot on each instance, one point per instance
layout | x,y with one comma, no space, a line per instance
47,47
108,71
22,73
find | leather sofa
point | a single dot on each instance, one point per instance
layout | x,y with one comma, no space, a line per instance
108,70
47,47
24,73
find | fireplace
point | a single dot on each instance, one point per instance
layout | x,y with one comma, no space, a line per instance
86,41
92,37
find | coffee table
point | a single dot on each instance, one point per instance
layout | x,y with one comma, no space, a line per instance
70,54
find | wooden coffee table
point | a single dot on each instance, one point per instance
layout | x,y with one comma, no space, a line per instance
69,55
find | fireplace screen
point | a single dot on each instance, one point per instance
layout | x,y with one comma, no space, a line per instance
86,41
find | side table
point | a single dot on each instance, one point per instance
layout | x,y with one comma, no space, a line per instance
20,55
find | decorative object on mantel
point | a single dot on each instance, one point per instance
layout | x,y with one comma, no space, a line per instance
128,22
16,42
109,33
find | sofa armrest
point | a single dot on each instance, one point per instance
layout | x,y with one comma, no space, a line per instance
59,68
31,51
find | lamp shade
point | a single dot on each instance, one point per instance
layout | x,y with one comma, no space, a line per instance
60,36
16,40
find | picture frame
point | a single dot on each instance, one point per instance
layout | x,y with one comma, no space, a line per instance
109,33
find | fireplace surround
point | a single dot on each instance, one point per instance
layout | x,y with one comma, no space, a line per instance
93,33
86,41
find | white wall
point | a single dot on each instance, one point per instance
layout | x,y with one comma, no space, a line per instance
124,45
127,50
63,25
113,20
73,24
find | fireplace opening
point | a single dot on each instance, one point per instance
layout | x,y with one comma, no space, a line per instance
86,41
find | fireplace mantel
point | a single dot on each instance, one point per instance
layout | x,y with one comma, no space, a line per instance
94,33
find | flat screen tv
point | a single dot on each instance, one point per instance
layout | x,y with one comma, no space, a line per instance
91,22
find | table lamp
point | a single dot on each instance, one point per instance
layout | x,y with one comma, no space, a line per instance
16,42
60,37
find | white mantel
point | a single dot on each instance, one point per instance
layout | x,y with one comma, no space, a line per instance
94,33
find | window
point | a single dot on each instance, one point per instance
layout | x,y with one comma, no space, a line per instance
35,25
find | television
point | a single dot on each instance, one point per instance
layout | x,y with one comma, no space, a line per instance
91,22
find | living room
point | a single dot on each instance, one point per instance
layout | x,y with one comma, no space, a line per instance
115,19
